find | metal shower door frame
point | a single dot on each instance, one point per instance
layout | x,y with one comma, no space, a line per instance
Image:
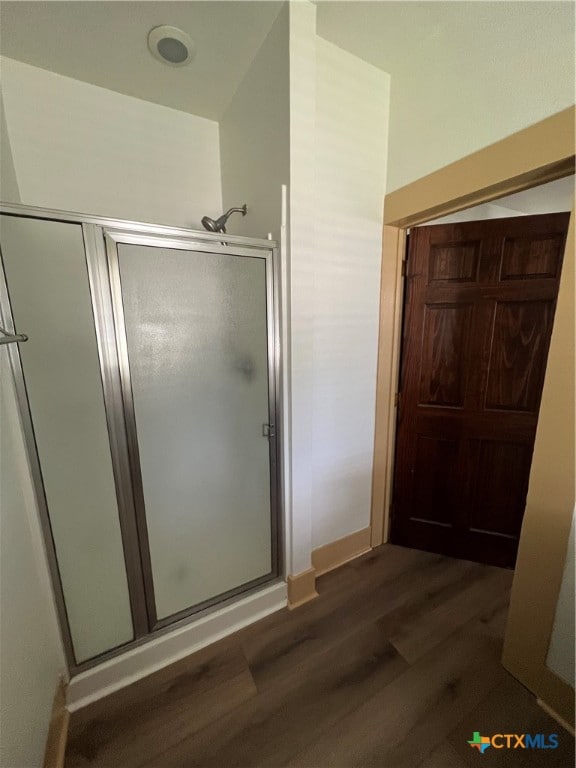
113,237
101,238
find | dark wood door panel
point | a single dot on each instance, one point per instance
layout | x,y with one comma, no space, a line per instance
532,258
518,352
454,262
465,498
480,300
524,247
433,497
481,425
531,290
452,542
445,339
499,486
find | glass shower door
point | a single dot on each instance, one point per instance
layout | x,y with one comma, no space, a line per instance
63,406
194,337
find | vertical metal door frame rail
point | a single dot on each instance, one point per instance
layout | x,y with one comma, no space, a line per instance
100,286
127,405
276,363
274,405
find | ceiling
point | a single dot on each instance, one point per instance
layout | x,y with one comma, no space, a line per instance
554,197
386,33
547,198
105,43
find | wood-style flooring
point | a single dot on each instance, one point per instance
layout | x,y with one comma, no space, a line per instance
395,665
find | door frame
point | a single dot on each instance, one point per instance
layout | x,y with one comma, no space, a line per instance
536,155
112,317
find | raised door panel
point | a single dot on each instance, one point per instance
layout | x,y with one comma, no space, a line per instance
520,339
532,257
433,492
500,487
454,262
445,339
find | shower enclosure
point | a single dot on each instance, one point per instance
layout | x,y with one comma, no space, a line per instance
147,390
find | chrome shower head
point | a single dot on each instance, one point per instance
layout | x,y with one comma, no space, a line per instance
209,224
219,224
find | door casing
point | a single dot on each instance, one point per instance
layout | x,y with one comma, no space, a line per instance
536,155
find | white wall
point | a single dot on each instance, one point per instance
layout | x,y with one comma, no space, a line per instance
562,643
462,88
352,100
339,121
255,139
301,278
83,148
31,656
8,183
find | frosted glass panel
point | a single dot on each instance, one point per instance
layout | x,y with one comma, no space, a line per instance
197,348
48,285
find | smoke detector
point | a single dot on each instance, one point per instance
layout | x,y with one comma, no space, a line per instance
171,45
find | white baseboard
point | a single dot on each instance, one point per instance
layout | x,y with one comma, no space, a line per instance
138,662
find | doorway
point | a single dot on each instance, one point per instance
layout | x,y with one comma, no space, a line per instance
534,156
478,313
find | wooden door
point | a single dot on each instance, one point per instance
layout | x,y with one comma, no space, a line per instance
479,307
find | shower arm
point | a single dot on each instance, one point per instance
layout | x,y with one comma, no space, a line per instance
219,224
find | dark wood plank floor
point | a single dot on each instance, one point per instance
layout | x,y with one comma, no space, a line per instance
395,665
